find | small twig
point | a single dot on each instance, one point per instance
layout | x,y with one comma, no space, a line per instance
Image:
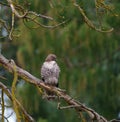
4,4
11,31
15,11
82,117
45,26
88,22
20,12
7,106
5,118
3,77
67,107
2,96
114,120
4,25
10,115
39,15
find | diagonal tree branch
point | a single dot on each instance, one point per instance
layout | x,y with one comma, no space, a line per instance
79,107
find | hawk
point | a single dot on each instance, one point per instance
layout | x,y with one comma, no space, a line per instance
50,71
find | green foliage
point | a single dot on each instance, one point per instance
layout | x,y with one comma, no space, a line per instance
89,60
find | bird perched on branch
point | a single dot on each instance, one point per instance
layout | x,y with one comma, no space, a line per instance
50,71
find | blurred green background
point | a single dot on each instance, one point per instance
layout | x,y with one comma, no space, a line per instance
89,60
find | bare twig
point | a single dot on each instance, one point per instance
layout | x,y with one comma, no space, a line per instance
9,115
39,15
45,26
88,22
22,9
6,106
3,77
3,108
114,120
4,4
37,82
5,118
15,11
4,25
11,31
67,107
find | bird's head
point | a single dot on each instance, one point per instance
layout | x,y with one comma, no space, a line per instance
51,57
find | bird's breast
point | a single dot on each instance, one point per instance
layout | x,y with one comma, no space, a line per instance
49,65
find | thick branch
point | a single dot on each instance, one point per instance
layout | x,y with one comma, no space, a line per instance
79,107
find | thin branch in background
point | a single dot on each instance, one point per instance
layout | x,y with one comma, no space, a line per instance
15,11
12,28
82,117
3,108
26,15
6,106
88,22
39,15
4,4
46,26
99,14
3,77
72,106
13,92
28,118
10,115
5,118
3,23
114,120
19,7
103,5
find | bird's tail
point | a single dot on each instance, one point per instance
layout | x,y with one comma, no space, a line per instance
53,81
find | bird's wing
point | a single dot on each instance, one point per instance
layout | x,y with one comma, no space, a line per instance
45,72
56,71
